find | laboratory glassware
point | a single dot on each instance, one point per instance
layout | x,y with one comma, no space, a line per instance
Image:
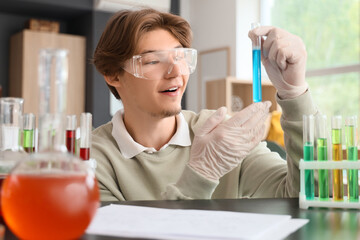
51,182
256,58
85,135
336,144
308,143
352,155
28,132
321,146
71,133
11,110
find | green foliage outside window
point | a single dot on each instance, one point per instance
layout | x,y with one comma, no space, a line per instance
330,30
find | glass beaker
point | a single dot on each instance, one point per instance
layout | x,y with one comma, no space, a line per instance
50,194
11,110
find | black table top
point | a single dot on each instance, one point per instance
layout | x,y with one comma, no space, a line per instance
325,223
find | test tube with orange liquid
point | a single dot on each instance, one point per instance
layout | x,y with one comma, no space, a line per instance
336,140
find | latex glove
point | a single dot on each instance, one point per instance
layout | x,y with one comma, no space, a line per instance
284,58
219,146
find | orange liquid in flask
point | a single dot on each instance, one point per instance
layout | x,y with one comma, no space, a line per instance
50,206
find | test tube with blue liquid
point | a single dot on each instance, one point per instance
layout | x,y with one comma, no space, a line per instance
256,57
352,155
308,141
321,146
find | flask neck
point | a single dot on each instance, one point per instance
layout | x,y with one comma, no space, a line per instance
52,133
53,77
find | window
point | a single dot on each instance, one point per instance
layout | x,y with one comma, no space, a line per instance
330,30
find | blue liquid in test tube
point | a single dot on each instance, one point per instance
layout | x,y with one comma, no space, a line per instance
256,56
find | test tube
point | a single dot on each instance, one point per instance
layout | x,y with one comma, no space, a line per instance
321,135
308,141
338,186
85,135
256,57
352,155
28,127
71,133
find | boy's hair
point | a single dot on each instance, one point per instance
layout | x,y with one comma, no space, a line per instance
119,40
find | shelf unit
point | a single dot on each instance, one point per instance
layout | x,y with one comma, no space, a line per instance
75,18
219,93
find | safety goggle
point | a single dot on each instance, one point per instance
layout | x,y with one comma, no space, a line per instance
153,65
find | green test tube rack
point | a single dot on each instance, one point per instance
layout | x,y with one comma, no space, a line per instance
330,203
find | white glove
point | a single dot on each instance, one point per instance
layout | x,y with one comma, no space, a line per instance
219,146
284,58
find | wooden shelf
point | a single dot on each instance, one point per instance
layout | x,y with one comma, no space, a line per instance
220,93
23,73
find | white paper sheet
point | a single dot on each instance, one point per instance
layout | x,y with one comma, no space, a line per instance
160,223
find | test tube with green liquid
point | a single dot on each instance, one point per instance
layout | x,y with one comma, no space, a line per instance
28,126
308,140
338,186
352,155
321,142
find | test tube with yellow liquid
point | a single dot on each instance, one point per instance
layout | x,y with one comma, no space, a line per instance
321,146
338,186
352,155
308,141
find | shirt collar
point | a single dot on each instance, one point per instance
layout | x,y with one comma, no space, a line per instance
129,148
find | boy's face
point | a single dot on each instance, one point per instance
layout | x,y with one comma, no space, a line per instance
157,97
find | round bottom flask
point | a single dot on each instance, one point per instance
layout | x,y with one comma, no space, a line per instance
49,195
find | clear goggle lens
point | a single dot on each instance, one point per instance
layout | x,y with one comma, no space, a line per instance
154,65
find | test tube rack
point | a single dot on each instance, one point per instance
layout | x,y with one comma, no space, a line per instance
316,202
